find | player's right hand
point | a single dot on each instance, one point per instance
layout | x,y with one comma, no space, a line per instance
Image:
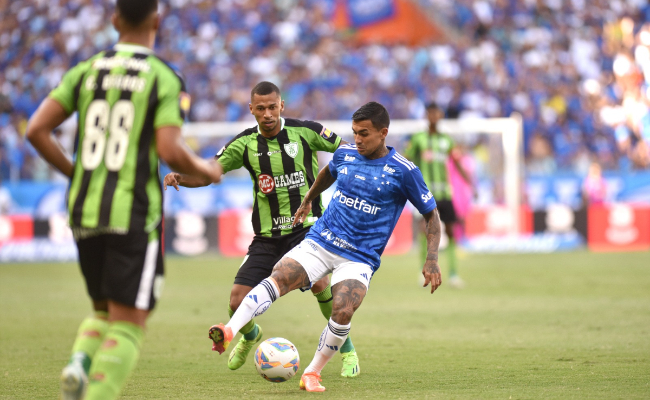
302,213
172,179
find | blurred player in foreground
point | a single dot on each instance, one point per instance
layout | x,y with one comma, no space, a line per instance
131,107
281,156
430,151
373,184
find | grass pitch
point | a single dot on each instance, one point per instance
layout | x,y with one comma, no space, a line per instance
569,325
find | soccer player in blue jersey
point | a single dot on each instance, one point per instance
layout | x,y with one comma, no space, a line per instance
373,184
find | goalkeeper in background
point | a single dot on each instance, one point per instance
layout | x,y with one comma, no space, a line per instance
430,151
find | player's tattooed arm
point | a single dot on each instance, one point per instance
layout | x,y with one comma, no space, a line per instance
323,181
289,275
348,295
431,270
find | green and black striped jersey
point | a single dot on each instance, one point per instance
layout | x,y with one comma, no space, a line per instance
122,96
430,154
282,170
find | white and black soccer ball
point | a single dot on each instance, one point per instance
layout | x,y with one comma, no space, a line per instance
277,359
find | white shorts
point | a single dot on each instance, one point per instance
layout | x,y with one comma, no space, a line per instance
319,262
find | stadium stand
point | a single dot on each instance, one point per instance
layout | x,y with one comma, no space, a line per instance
578,71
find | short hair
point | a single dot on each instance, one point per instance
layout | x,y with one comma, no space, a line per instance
374,112
135,12
264,88
432,106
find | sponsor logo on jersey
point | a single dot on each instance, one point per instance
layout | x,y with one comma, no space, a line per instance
291,149
336,241
426,197
124,62
291,181
349,158
360,177
344,171
283,222
355,203
388,169
326,133
265,183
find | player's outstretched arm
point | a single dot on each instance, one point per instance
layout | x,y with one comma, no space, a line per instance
431,270
49,115
323,181
175,179
173,150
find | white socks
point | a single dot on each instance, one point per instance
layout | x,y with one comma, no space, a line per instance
256,302
331,340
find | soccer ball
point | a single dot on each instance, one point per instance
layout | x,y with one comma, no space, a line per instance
277,359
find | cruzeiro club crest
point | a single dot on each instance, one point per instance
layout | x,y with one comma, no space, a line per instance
291,149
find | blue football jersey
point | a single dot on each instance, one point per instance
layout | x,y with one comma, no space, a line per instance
369,198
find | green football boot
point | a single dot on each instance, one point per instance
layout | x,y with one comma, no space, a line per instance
350,367
240,352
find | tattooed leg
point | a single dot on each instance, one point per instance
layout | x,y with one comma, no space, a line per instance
289,275
348,295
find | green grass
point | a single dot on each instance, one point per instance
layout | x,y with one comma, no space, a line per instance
570,325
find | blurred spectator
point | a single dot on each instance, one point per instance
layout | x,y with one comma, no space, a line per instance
578,71
541,160
594,188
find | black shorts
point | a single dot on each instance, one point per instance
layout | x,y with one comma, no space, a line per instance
263,254
127,269
446,211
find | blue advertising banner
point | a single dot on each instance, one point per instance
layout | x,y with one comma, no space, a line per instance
366,12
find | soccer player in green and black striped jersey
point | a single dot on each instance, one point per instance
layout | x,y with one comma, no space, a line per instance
130,108
430,151
281,156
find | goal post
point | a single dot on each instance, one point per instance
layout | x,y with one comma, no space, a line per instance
510,129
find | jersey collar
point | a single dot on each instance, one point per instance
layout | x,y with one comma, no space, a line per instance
281,126
132,48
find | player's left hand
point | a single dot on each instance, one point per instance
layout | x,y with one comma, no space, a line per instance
302,213
431,273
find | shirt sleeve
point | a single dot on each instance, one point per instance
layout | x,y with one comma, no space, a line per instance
334,163
231,156
417,192
64,93
320,138
172,100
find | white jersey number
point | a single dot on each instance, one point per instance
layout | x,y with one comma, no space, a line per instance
96,146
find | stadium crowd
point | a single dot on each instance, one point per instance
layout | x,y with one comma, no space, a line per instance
578,71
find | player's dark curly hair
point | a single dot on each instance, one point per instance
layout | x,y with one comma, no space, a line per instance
374,112
135,12
264,88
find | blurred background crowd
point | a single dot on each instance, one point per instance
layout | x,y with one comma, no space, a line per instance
578,71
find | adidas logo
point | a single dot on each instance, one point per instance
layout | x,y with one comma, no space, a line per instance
253,297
